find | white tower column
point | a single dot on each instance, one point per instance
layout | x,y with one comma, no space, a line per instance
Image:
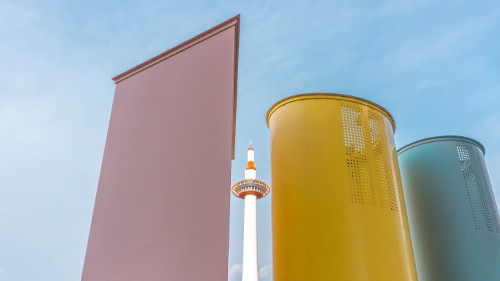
250,265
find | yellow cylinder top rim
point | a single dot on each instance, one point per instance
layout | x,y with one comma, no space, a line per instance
298,97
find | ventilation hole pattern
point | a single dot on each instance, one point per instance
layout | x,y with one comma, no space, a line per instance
480,194
383,171
371,154
357,162
488,190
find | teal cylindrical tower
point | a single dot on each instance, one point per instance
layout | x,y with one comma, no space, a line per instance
453,218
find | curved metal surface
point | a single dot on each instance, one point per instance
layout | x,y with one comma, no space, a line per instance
451,209
337,206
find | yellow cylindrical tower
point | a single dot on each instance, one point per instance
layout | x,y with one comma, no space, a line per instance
337,206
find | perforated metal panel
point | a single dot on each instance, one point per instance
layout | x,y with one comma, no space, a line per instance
482,203
371,158
357,163
378,137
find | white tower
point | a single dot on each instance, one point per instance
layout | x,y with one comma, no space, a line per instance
250,189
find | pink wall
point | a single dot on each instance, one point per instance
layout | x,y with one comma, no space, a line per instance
162,204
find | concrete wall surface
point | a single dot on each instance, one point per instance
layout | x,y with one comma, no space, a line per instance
162,205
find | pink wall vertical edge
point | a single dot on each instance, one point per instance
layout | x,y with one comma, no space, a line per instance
162,204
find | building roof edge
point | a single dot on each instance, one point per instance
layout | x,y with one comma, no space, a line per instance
234,21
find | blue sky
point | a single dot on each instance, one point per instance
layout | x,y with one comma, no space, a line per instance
434,65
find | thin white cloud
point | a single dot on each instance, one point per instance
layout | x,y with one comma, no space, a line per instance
265,271
235,271
2,272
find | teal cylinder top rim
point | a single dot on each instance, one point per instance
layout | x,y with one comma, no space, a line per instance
441,138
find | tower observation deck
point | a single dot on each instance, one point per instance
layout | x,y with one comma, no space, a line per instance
250,189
